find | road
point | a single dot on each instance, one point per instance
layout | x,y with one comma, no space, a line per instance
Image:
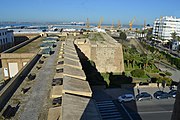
150,110
173,53
175,73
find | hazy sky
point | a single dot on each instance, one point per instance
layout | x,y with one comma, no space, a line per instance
80,10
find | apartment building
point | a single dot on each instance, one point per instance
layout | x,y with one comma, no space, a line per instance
6,39
164,26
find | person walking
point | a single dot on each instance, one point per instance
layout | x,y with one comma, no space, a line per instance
138,91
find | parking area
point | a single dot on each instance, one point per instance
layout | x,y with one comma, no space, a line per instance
150,110
153,109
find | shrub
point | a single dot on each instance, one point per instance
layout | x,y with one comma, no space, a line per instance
168,73
162,74
166,79
137,73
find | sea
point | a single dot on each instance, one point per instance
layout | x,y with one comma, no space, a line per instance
42,26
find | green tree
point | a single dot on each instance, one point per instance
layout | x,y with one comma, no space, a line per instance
127,58
123,36
174,35
138,73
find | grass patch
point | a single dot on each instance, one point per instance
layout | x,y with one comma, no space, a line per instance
32,47
96,37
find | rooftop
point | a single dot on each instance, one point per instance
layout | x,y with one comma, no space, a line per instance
79,108
74,72
32,47
76,86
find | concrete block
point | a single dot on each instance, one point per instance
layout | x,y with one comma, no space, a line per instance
76,86
54,113
56,91
72,63
78,108
74,72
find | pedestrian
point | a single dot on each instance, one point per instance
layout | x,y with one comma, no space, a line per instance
158,84
138,91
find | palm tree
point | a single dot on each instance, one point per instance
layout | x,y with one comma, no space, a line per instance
174,35
127,58
137,59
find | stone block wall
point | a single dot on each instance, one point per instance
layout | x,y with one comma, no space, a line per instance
107,55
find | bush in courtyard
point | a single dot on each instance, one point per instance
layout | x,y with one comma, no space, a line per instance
137,73
168,73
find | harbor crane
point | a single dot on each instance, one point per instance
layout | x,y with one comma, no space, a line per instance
144,24
119,24
100,22
112,27
131,23
87,23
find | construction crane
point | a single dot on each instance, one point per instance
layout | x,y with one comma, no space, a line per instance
144,24
87,23
131,23
119,24
100,22
112,25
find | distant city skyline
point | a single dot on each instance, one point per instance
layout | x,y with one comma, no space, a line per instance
80,10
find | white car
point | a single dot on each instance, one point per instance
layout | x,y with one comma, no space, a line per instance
126,98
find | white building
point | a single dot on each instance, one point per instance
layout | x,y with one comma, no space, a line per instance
164,26
6,38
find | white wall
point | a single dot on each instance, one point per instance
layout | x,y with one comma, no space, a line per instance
6,36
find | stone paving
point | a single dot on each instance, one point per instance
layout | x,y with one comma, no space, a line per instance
40,90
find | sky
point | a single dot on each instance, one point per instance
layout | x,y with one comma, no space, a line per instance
80,10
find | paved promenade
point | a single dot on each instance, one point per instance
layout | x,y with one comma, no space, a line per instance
41,88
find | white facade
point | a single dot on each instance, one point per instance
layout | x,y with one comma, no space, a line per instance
6,37
164,26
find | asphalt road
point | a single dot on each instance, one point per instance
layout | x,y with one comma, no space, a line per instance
150,110
175,73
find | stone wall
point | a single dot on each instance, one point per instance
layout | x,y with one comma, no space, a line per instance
85,47
20,59
107,55
13,84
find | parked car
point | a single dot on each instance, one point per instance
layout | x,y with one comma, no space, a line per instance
126,98
161,95
143,96
172,93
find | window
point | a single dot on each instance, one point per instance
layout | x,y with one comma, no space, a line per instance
3,40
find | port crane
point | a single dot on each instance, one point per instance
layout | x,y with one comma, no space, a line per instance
119,24
131,23
100,22
144,24
87,23
112,27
